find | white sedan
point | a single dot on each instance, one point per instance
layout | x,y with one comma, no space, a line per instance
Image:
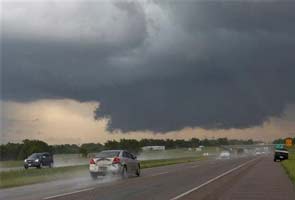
224,155
116,162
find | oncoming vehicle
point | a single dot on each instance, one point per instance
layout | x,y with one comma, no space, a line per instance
224,155
281,154
39,160
116,162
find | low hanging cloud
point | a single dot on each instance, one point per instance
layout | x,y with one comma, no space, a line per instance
158,66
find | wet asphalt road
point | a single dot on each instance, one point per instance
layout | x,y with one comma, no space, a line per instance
242,178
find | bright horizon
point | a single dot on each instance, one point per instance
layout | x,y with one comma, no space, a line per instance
68,121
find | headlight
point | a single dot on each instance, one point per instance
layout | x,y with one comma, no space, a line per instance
37,160
25,160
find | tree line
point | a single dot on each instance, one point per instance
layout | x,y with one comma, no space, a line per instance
18,151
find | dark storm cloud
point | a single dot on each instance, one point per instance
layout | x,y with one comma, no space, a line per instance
210,65
246,16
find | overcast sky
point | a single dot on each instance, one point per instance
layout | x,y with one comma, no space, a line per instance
177,69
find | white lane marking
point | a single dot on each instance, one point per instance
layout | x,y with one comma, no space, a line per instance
68,193
158,174
212,180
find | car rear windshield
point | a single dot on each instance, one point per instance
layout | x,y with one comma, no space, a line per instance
107,154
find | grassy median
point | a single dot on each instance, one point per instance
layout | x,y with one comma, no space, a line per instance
163,162
24,177
11,163
289,165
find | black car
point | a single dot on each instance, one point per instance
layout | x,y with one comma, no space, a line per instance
39,160
281,154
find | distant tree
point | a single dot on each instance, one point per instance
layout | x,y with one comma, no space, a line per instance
205,142
92,147
65,149
112,144
130,145
222,141
83,152
169,144
195,142
10,151
250,141
33,146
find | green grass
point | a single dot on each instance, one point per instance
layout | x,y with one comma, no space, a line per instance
289,165
175,153
11,163
24,177
163,162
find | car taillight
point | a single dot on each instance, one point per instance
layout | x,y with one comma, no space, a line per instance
91,161
116,160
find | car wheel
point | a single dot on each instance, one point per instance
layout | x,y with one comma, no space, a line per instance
50,165
124,174
93,175
138,171
26,167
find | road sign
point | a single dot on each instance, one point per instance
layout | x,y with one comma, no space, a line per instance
288,142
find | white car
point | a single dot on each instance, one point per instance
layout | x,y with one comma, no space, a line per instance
206,154
116,162
224,155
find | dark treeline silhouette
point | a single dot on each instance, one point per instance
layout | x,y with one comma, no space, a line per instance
18,151
65,149
90,148
135,145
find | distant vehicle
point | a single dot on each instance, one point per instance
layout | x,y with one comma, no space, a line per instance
153,148
206,154
39,160
224,155
281,154
198,149
257,153
116,162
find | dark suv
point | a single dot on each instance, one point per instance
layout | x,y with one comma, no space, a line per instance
281,154
39,160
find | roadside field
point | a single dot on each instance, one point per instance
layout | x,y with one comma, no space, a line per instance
163,162
176,153
289,165
24,177
11,163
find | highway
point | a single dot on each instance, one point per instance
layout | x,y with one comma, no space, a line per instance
241,178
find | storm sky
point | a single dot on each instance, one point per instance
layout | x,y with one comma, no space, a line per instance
152,66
